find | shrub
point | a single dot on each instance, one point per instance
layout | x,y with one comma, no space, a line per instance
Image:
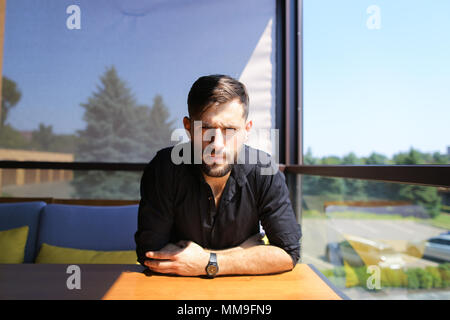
436,276
444,270
362,275
351,279
425,279
393,278
336,276
327,273
413,279
339,272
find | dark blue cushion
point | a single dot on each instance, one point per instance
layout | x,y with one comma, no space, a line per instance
14,215
89,227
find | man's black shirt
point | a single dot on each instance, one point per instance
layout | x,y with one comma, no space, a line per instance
178,204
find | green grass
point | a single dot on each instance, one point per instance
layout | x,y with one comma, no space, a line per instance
440,221
352,215
411,278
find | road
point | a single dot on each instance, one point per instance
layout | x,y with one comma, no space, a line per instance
318,232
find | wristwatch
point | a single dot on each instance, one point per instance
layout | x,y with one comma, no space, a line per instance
212,267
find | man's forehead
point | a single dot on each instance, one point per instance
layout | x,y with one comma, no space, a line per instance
219,122
230,113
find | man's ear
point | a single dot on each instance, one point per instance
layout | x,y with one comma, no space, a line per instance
187,126
248,127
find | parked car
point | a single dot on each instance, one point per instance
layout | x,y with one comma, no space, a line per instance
437,248
357,251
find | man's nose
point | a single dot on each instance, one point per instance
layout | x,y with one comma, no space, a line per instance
218,140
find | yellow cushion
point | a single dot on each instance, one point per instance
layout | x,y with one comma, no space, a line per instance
61,255
12,245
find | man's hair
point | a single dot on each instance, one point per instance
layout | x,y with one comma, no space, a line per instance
216,88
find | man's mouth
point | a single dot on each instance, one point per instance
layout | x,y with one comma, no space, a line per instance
215,158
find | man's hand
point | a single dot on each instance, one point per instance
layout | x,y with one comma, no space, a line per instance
185,258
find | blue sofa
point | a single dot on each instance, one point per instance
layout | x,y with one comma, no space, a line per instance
105,228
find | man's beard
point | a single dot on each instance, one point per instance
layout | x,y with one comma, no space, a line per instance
216,170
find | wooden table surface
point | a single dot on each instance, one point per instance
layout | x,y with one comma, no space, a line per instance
121,282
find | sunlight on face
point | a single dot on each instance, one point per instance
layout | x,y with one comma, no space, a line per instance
221,131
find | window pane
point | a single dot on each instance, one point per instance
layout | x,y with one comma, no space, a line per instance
68,184
108,81
376,81
374,239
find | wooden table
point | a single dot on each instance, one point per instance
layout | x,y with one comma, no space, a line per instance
122,282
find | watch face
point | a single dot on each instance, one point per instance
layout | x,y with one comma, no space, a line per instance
212,269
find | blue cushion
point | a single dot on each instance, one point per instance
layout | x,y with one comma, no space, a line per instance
14,215
89,227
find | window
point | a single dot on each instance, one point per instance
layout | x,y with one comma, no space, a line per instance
107,81
352,227
375,80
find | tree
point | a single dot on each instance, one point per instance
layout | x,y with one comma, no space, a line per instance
427,197
438,158
332,188
159,124
351,159
66,143
117,130
408,158
309,182
376,159
354,188
11,138
43,138
308,158
111,124
10,97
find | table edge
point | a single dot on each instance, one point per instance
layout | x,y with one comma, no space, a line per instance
329,283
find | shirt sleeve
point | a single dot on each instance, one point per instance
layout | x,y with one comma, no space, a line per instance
277,216
155,215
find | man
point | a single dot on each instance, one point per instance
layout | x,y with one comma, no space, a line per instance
203,217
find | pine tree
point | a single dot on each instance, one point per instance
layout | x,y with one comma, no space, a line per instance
117,130
159,125
112,123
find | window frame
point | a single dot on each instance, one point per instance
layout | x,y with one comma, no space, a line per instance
289,121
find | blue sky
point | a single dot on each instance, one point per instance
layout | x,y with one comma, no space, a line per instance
158,47
364,90
379,90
